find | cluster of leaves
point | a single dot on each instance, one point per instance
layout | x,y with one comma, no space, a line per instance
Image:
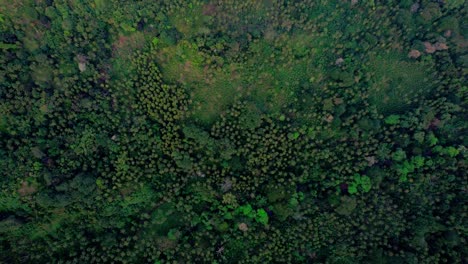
230,131
363,182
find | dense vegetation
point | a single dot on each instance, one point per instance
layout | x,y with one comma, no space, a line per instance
228,131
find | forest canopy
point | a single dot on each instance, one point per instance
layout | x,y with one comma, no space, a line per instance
225,131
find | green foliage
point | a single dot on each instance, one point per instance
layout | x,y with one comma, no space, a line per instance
392,119
396,83
294,135
155,41
167,131
347,205
173,234
127,27
12,204
353,188
409,166
100,183
418,161
432,139
296,198
246,210
452,152
261,216
283,211
360,181
399,155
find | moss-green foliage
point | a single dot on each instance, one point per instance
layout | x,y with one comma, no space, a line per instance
360,182
174,131
392,119
397,83
261,216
